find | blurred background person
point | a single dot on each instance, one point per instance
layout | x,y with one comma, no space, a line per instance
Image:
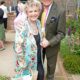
2,30
4,8
10,7
16,7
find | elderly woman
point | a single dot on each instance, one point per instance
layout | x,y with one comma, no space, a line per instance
27,41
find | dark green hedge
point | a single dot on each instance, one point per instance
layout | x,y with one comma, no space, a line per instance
72,64
71,61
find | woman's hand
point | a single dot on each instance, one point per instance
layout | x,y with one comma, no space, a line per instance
44,43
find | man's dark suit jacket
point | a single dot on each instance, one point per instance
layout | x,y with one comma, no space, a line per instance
55,29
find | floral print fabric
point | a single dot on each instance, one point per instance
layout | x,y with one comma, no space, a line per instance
25,47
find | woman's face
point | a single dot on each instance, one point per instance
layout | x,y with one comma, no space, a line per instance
33,13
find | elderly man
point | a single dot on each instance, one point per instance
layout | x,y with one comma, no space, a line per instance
53,22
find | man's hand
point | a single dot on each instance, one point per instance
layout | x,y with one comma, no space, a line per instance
44,43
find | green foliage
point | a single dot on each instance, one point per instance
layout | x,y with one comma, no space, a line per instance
4,78
72,64
71,61
70,48
76,49
70,23
64,49
74,24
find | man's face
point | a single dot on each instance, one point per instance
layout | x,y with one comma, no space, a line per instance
46,2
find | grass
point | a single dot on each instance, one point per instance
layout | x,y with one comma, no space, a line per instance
71,61
4,78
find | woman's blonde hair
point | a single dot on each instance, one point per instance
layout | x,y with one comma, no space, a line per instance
32,3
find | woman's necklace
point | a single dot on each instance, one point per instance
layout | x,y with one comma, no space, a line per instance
34,28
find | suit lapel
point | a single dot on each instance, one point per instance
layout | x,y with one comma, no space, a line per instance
52,13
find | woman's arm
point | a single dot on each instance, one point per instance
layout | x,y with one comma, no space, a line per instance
19,44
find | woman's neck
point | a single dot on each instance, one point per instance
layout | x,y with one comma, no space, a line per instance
32,22
33,27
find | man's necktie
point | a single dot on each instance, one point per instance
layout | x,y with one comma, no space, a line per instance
43,22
